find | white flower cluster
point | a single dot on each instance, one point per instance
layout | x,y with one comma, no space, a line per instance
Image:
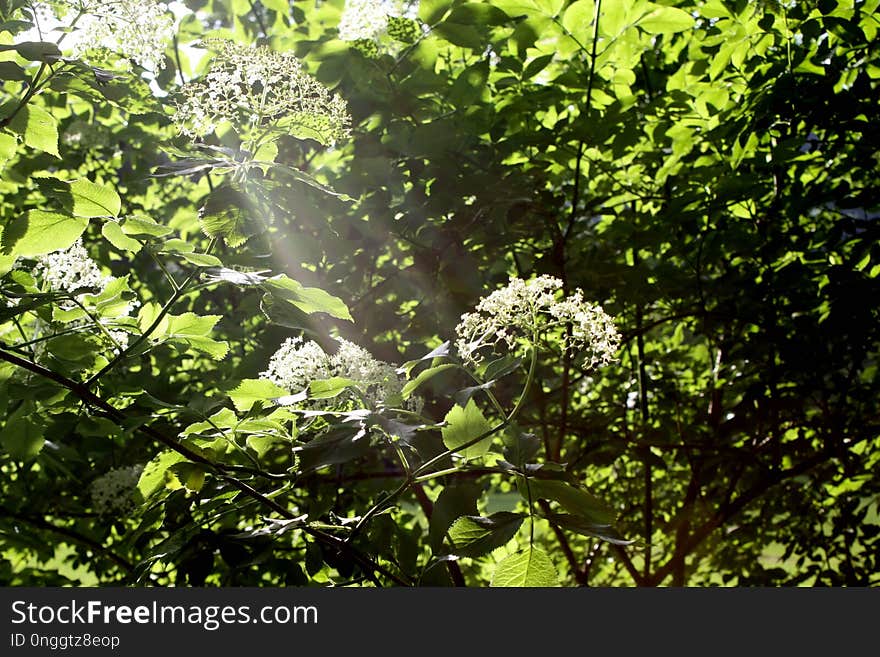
70,270
257,88
297,363
134,29
368,19
113,492
524,309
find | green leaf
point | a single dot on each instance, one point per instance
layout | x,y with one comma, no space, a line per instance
307,299
38,128
35,51
574,500
262,444
229,214
8,146
474,536
12,71
464,425
453,502
470,84
157,475
250,391
88,199
190,475
585,528
37,233
466,36
306,179
192,330
666,20
328,388
225,418
144,227
528,568
112,231
423,376
22,437
200,259
477,14
578,20
550,7
514,8
520,446
431,11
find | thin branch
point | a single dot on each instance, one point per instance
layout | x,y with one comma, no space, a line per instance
42,523
119,417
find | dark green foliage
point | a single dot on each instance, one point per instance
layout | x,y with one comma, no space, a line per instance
706,171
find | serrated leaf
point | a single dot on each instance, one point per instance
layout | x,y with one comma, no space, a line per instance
250,391
306,299
578,20
112,231
228,214
585,528
574,500
306,179
35,51
430,11
519,446
438,352
156,475
37,233
466,36
329,388
12,71
528,568
185,167
474,536
88,199
8,146
453,502
144,227
262,443
514,8
22,437
190,475
666,20
478,14
201,259
464,425
192,329
423,376
38,128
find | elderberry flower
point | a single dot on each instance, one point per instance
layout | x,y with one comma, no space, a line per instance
297,363
113,492
69,270
377,379
72,271
522,310
369,19
259,89
137,30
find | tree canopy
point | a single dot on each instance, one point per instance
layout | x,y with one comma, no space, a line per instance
509,293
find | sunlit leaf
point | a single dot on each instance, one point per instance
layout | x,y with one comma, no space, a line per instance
529,568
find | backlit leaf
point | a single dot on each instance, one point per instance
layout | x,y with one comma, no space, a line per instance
528,568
